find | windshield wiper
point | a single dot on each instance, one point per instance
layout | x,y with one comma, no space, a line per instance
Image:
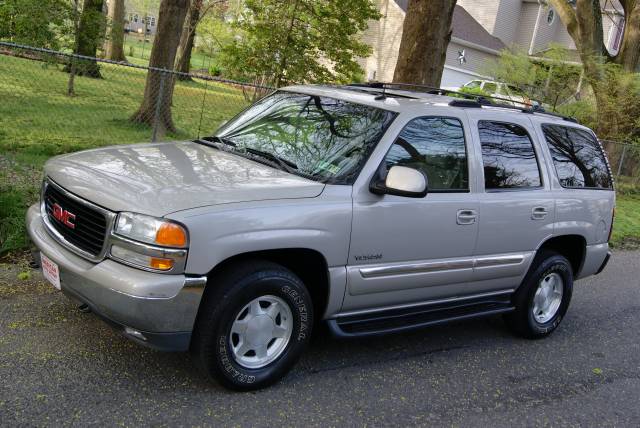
216,139
257,155
285,163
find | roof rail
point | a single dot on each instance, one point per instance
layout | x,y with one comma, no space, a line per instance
467,100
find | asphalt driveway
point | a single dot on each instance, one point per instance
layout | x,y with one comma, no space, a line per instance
61,367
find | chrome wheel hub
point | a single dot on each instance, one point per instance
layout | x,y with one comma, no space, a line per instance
261,332
548,297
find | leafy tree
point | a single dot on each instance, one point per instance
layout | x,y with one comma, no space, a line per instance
88,36
583,19
285,41
159,86
42,23
183,62
425,36
114,43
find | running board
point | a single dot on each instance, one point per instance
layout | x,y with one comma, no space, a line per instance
397,320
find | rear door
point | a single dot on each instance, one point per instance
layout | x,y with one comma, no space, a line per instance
516,205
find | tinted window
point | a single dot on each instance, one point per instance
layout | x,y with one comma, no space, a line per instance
324,138
508,156
434,145
577,156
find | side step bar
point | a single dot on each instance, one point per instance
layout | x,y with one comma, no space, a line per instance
396,320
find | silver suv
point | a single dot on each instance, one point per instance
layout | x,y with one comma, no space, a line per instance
371,209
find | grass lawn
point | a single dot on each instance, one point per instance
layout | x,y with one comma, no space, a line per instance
626,228
142,52
38,120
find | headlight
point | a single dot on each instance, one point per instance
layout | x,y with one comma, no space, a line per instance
151,230
149,243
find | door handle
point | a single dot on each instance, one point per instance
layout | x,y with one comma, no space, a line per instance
465,217
539,213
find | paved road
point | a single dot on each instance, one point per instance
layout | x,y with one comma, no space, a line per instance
61,367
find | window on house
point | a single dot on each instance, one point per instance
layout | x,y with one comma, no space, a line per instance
617,38
153,21
135,18
509,157
578,157
435,146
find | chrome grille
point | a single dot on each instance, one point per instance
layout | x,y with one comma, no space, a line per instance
91,224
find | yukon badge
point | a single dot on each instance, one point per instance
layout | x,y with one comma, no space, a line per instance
367,257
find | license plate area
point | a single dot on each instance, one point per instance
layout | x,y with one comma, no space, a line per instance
50,270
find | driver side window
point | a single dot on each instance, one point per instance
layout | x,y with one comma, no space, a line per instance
436,146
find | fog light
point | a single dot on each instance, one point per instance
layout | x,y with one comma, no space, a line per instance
142,260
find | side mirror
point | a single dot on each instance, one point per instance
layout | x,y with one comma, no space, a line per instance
401,181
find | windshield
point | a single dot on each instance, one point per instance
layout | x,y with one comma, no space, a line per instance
318,137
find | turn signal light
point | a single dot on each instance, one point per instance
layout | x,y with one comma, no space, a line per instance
171,235
160,264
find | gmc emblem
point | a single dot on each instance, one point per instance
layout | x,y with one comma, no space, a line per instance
64,216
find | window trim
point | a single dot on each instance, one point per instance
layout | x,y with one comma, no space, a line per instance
602,151
535,153
466,152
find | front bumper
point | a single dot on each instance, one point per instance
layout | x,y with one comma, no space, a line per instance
157,310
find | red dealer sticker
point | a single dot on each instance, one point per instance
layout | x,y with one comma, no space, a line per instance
50,271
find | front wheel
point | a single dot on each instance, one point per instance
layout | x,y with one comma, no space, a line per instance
543,298
253,328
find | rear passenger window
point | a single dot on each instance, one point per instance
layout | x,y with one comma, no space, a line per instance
578,157
436,146
508,156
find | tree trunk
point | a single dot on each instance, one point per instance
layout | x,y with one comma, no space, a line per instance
188,36
114,45
425,36
155,109
88,37
629,55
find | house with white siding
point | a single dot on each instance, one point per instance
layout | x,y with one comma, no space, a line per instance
480,30
141,16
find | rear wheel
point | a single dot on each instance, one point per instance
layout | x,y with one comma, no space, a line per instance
542,300
253,328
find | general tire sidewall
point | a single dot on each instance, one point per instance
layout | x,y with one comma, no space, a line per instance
296,296
560,266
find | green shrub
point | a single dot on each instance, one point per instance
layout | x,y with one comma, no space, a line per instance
470,91
215,70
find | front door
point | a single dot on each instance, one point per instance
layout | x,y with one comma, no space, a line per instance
413,249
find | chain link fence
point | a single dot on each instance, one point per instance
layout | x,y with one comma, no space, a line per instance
75,98
624,159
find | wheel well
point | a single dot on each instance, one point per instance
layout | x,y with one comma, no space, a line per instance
307,264
573,247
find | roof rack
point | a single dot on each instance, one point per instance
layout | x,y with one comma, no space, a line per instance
467,100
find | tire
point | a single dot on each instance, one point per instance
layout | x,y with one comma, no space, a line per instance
229,319
529,319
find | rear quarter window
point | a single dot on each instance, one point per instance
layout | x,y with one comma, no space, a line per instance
578,157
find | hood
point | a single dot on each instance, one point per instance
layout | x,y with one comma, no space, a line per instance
161,178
